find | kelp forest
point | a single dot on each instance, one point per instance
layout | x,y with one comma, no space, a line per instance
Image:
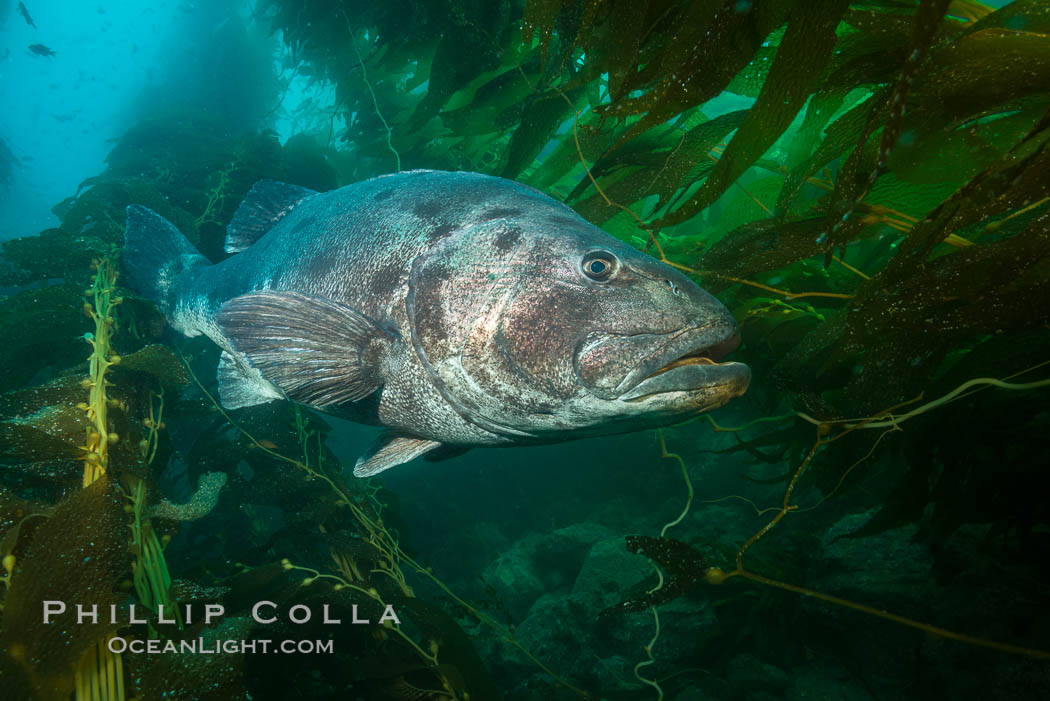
865,185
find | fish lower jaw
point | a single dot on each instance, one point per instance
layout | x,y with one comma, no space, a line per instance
692,380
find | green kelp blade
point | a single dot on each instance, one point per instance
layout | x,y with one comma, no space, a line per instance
948,156
867,160
732,39
1017,180
687,154
838,137
542,115
797,69
539,18
764,245
1019,15
462,56
979,73
865,358
622,45
866,56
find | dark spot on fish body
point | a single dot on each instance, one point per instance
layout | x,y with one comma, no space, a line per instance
429,317
547,381
499,213
383,195
303,223
428,211
440,231
387,278
318,265
507,239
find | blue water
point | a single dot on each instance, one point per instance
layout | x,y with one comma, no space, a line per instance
114,63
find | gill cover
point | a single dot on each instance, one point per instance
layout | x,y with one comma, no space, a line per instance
457,298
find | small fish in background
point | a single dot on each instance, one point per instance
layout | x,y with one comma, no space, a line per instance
41,50
456,310
25,14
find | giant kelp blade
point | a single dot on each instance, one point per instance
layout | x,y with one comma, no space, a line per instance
764,245
463,54
674,163
796,71
865,357
1019,15
77,555
540,16
735,32
541,117
838,137
982,71
41,315
1017,180
867,160
622,46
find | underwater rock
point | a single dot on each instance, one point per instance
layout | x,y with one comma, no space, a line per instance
610,570
615,674
567,628
539,564
682,622
985,591
823,679
724,522
889,570
705,690
748,673
514,580
560,627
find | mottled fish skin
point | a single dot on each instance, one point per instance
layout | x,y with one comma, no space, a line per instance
491,331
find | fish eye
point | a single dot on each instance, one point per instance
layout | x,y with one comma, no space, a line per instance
599,265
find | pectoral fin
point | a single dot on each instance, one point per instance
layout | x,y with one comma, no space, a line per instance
391,450
237,388
317,351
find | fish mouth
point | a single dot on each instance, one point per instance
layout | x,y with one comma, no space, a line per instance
692,371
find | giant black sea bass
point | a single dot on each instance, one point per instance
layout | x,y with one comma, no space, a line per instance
453,309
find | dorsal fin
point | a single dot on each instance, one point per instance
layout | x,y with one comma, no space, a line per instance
265,204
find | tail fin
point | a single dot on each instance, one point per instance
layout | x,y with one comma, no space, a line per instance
158,259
